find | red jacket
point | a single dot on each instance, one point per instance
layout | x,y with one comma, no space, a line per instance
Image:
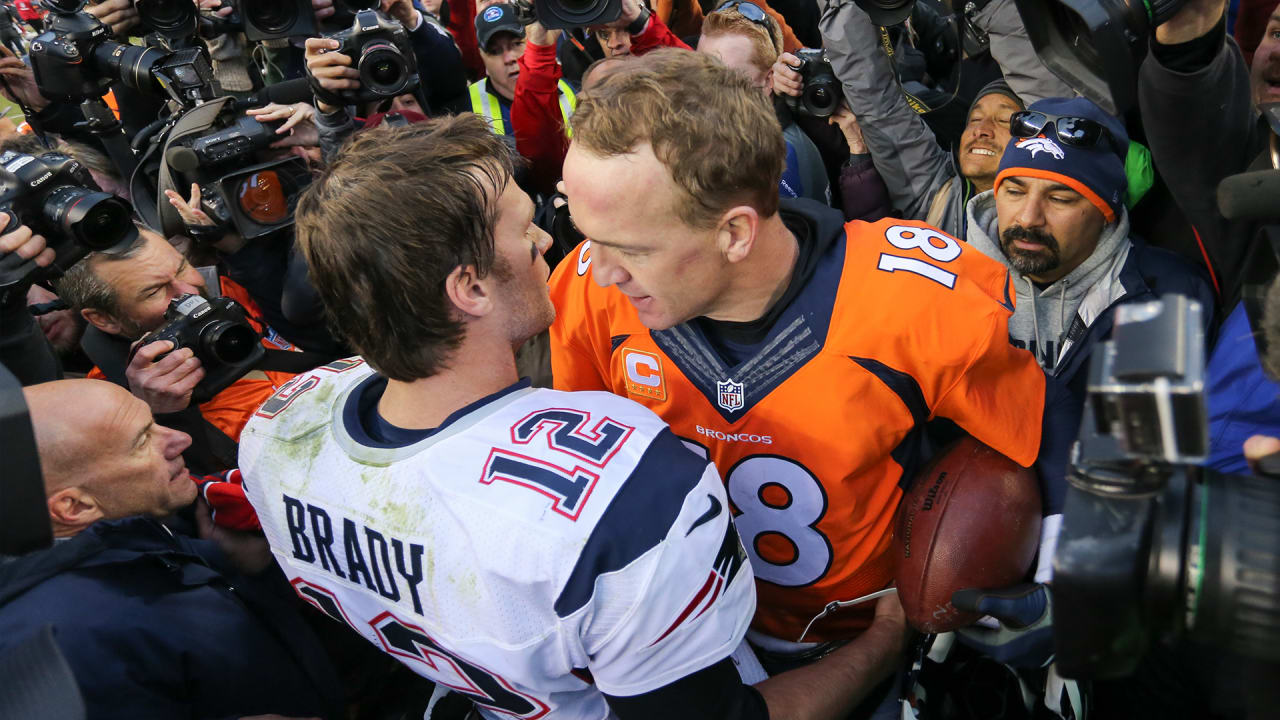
27,10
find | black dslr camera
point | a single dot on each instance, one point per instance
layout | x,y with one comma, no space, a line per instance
380,49
56,197
1154,547
75,59
821,94
237,191
218,332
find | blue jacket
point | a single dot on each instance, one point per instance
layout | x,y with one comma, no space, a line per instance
151,629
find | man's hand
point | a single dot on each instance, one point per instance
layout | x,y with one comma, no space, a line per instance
1193,20
216,8
118,14
248,552
536,34
402,10
21,80
331,70
630,11
786,81
190,211
166,385
1025,612
844,119
25,244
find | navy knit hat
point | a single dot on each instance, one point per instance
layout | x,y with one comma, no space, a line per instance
996,87
1096,172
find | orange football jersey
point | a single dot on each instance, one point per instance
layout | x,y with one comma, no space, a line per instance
899,324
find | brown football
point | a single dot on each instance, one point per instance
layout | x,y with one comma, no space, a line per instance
970,520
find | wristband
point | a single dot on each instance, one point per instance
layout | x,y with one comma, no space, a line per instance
638,25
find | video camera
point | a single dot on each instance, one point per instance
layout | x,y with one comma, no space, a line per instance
56,197
1154,547
239,190
822,91
218,333
568,14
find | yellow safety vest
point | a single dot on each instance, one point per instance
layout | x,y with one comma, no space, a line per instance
486,104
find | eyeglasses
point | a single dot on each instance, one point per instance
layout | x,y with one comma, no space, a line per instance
750,11
1074,131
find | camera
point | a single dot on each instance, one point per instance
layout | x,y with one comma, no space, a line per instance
1153,547
1095,46
75,60
218,333
255,198
566,14
821,94
274,19
380,49
344,12
56,197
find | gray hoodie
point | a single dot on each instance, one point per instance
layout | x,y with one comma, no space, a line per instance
1049,321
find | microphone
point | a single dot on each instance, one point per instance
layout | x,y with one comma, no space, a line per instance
1250,196
288,92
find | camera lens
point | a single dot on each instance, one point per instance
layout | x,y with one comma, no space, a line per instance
96,220
821,100
167,15
383,69
130,63
272,16
229,343
267,197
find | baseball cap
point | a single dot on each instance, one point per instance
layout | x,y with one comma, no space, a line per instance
495,19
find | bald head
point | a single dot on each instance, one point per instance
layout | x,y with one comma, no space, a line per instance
102,456
72,418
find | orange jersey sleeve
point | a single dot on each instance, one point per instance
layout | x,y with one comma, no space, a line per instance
812,436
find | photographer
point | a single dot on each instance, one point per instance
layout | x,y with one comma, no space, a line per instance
925,181
23,348
1193,80
125,296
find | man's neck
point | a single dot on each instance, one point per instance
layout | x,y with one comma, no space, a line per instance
475,370
763,277
982,184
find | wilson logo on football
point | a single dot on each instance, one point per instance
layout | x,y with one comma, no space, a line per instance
644,374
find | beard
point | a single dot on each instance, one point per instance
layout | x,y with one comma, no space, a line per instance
1030,262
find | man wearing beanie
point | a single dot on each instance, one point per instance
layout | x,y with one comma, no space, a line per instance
1057,219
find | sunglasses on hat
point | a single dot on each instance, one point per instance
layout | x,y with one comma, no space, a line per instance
1075,131
750,11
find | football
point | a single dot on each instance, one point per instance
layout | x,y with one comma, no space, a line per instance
971,519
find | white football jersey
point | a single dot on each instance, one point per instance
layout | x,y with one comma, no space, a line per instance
537,549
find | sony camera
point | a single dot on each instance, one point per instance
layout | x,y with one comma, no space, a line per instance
56,197
1153,547
218,333
821,94
75,59
239,190
381,52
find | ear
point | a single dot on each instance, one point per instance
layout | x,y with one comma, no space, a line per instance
737,232
73,509
470,295
103,321
768,82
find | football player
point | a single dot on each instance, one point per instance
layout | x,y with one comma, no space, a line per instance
546,554
802,355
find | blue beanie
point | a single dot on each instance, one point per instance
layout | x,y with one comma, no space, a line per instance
1095,172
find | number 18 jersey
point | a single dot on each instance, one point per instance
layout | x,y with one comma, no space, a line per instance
899,324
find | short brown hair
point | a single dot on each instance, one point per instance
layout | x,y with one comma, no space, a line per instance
716,134
387,222
766,43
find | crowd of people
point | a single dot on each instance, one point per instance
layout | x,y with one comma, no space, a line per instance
580,374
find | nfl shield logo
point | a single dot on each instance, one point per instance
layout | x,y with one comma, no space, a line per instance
729,395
